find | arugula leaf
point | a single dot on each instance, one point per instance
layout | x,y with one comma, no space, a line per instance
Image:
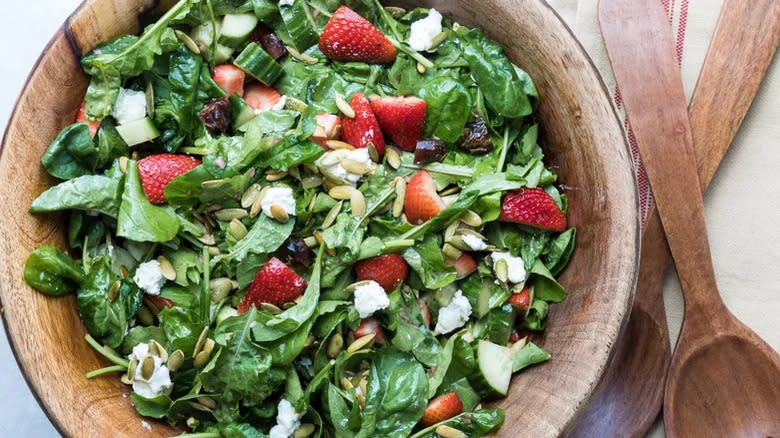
52,272
103,90
105,319
427,260
88,192
527,356
138,219
449,107
72,153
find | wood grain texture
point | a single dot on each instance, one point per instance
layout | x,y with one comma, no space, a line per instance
632,395
582,137
723,380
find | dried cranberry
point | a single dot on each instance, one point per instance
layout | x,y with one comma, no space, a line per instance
298,253
268,40
476,137
428,151
216,115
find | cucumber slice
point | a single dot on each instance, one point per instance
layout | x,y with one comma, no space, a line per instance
258,64
500,321
222,54
299,25
138,132
494,370
241,110
203,35
236,29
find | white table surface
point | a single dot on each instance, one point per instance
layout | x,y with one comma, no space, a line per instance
742,215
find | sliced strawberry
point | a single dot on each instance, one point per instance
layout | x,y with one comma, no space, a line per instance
422,202
363,128
464,265
371,325
159,301
401,118
82,117
156,171
388,270
533,207
230,78
328,128
276,284
350,37
261,97
442,408
520,300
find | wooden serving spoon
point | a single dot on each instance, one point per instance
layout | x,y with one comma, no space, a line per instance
724,380
632,394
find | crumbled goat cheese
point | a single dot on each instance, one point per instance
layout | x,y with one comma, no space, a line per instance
281,196
286,2
424,30
359,155
149,277
515,264
287,420
454,315
130,106
474,242
369,298
160,380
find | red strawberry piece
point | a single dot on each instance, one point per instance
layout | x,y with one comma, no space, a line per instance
230,78
276,284
350,37
261,97
401,118
156,171
425,312
160,301
328,128
82,117
422,202
533,207
388,270
363,128
520,300
514,337
371,325
464,265
442,408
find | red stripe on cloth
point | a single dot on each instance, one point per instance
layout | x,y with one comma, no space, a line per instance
681,30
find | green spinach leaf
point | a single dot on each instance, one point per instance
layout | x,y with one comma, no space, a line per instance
449,107
72,153
138,219
105,319
88,192
52,272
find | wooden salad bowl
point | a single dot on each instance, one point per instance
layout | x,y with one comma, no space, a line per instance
582,138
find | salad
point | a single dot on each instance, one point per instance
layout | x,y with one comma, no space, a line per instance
306,218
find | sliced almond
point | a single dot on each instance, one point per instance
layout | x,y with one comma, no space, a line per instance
166,268
372,152
339,145
400,197
449,432
279,213
393,158
361,342
113,292
275,176
207,402
123,161
250,195
341,192
330,218
311,181
220,288
201,340
358,203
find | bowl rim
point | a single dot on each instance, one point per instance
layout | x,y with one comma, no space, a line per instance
63,31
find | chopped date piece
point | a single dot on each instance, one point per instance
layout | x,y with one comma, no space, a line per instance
429,151
268,40
216,115
476,137
298,253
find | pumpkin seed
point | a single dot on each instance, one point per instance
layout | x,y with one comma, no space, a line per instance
304,58
212,183
502,270
471,218
420,68
123,161
147,367
275,176
132,367
311,241
458,242
228,214
451,252
207,239
437,40
198,406
201,340
361,399
341,192
213,251
145,316
304,431
330,218
344,107
400,196
237,229
372,152
351,288
113,292
123,271
358,204
356,167
166,268
338,145
449,199
450,231
187,41
256,207
334,345
311,181
250,195
346,384
126,379
449,191
331,159
295,172
201,359
469,232
450,432
220,288
393,158
150,100
175,360
225,313
295,104
395,11
279,213
157,349
361,342
311,167
207,402
272,308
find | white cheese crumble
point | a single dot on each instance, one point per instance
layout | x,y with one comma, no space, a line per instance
369,298
281,196
160,380
515,264
286,2
149,277
359,155
130,106
454,315
424,30
287,420
474,242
